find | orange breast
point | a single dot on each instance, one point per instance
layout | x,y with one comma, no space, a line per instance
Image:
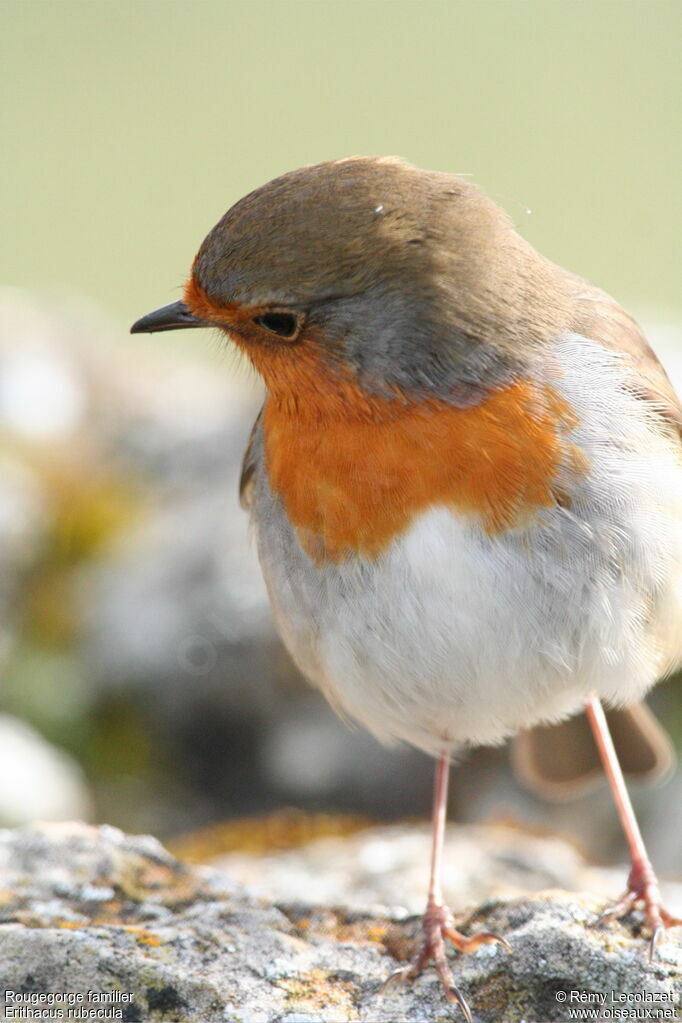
352,486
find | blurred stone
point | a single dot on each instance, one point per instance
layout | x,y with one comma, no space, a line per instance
114,920
37,780
310,752
179,598
389,865
43,392
23,519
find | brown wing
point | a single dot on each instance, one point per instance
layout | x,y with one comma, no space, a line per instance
561,762
250,462
598,316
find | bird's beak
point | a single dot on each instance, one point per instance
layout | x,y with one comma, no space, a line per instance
175,316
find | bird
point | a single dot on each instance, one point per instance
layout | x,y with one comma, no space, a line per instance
465,481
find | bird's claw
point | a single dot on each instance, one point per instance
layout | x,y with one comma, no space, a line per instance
438,925
643,888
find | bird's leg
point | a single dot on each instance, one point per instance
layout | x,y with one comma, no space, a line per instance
642,884
437,922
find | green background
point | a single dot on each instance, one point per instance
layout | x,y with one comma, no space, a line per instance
129,126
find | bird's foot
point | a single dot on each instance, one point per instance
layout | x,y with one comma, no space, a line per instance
437,925
643,888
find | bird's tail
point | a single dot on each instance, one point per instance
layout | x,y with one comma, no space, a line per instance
561,762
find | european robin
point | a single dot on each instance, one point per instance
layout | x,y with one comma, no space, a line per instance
465,480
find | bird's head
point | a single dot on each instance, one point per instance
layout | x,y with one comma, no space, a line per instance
366,279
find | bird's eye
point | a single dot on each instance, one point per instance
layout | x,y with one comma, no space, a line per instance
286,325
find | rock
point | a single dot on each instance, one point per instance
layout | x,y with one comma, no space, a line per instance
101,919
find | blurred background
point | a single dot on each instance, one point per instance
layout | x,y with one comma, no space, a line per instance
142,681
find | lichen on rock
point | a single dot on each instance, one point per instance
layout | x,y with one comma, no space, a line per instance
119,922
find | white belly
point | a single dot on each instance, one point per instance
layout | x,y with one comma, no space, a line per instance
454,635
